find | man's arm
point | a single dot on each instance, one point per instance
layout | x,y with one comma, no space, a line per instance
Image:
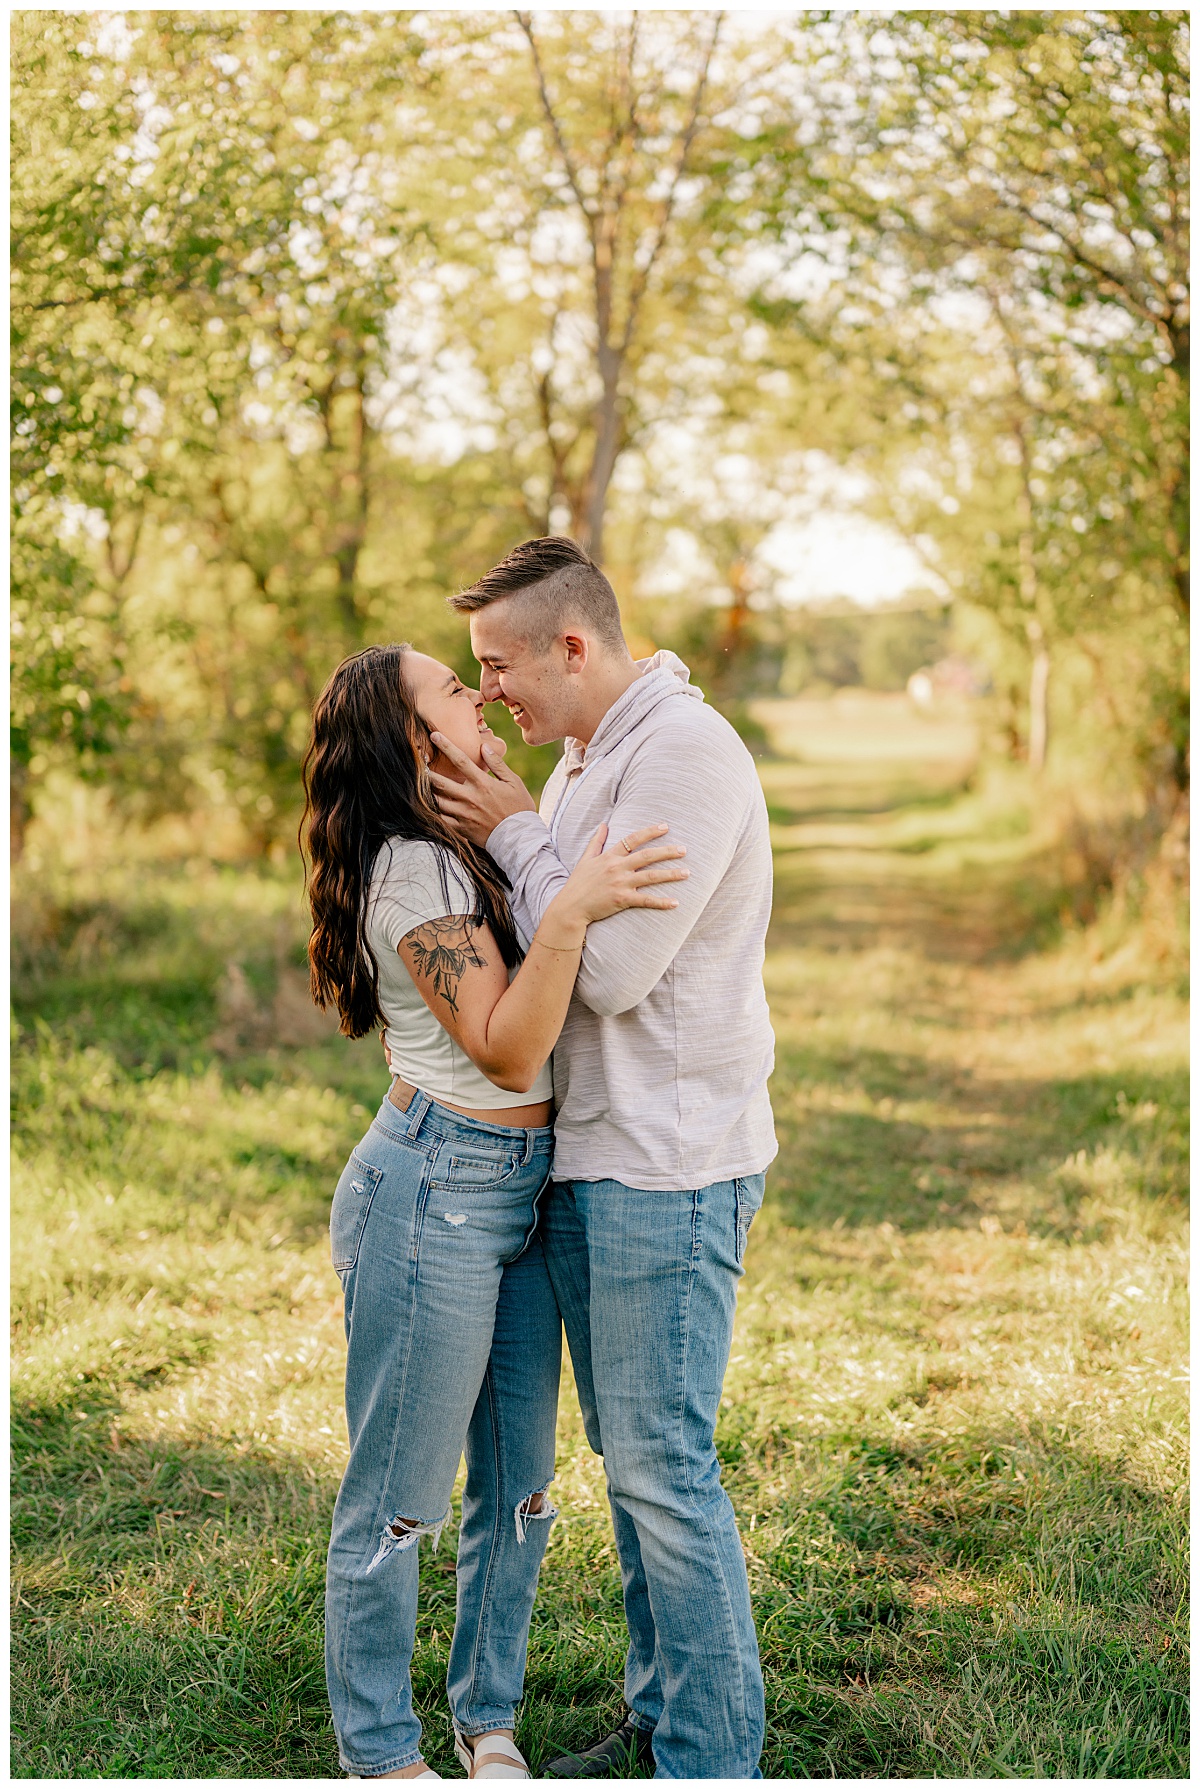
627,955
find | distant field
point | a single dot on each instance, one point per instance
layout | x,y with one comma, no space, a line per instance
863,728
954,1421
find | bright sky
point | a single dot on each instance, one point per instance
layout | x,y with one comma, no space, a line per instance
840,554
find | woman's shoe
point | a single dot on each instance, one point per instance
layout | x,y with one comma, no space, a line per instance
499,1757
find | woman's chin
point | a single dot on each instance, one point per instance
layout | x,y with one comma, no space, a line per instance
495,745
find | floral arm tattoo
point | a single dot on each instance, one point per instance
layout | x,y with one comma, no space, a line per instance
442,951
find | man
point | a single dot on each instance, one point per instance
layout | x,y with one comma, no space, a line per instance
663,1129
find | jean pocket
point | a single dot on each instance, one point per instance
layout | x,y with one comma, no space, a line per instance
462,1171
348,1216
749,1194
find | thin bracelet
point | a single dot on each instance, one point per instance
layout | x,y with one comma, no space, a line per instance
559,947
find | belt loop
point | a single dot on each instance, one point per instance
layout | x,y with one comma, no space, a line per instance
418,1106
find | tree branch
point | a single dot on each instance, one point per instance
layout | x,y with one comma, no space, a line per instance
525,21
1105,275
641,279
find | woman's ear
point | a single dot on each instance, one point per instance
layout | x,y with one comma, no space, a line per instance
423,745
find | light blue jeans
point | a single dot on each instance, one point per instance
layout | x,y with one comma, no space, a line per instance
647,1284
454,1344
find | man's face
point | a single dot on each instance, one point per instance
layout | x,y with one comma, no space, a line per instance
534,687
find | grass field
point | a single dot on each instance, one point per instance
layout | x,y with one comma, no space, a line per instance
954,1421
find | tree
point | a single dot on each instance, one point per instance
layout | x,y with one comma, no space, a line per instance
1016,181
196,340
576,270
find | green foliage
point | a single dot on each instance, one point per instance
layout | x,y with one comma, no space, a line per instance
1001,203
194,372
781,651
896,645
315,315
66,699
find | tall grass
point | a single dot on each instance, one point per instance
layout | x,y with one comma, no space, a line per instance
953,1426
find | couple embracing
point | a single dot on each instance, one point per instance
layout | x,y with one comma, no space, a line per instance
576,1135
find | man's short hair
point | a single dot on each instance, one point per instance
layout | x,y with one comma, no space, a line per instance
563,586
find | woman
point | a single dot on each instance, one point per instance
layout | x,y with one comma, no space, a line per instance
452,1331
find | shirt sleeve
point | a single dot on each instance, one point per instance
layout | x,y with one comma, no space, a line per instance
626,955
417,882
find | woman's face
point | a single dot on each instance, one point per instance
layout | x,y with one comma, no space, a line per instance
447,705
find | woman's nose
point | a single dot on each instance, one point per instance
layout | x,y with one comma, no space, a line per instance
477,697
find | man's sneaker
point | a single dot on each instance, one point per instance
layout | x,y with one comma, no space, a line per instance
627,1749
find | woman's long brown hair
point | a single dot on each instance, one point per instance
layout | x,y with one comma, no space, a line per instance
365,782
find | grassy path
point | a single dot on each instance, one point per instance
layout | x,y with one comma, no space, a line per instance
953,1427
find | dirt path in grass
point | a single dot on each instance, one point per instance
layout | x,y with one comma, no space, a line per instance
874,844
907,965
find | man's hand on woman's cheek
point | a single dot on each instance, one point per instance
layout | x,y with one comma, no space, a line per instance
474,800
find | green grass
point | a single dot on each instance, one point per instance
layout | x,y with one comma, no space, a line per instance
953,1426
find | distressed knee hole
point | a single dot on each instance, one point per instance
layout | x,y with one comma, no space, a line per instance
403,1532
537,1507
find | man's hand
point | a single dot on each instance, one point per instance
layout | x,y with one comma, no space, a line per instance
476,804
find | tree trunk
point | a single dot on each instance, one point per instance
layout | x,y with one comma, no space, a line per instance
736,616
1039,717
18,810
609,361
604,458
1039,677
352,497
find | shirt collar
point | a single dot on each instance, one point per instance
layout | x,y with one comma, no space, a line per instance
662,675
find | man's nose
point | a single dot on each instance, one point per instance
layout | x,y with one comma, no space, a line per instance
489,685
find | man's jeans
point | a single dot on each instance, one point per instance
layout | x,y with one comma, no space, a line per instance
454,1342
647,1283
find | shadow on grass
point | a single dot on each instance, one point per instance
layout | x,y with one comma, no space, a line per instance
834,801
1004,1603
862,1168
835,899
169,1604
844,913
169,1620
976,1607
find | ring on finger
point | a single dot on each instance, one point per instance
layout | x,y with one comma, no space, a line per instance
627,847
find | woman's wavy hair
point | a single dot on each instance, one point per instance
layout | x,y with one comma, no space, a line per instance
365,783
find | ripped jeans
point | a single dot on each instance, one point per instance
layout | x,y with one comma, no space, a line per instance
454,1345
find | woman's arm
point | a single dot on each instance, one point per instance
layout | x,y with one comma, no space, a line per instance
509,1029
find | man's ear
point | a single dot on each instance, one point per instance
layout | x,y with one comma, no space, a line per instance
575,647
